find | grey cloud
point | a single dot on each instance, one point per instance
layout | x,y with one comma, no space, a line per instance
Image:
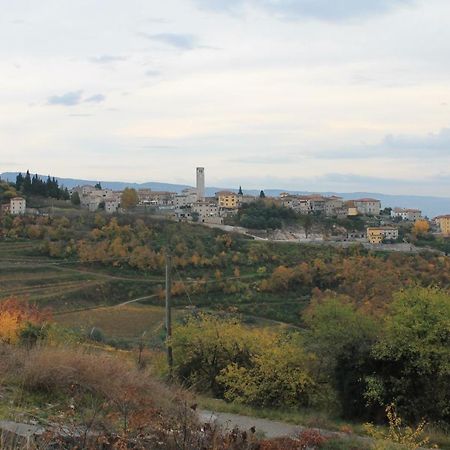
107,59
68,99
179,41
329,10
434,141
396,146
279,159
97,98
152,73
221,5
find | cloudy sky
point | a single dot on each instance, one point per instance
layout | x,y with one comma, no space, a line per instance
340,95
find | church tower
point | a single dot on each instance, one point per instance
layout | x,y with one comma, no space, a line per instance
200,183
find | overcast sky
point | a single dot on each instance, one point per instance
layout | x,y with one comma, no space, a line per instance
344,95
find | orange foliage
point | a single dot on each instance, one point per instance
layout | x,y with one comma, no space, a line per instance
15,315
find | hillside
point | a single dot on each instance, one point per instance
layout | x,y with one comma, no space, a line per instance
291,314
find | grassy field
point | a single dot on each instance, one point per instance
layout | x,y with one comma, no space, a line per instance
62,285
127,322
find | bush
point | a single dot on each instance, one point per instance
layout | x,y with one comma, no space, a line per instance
259,367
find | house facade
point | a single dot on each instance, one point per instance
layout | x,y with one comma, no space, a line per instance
443,222
17,206
368,206
377,235
406,214
227,199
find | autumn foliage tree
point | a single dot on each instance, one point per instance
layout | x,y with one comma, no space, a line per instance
421,227
129,198
19,320
255,366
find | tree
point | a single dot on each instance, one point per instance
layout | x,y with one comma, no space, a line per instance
20,320
342,338
414,355
255,366
129,198
262,194
75,199
26,185
421,227
206,345
307,223
278,375
19,181
98,186
240,191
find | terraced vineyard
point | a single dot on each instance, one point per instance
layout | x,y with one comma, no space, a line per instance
64,285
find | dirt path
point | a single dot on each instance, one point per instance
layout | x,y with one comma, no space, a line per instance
270,428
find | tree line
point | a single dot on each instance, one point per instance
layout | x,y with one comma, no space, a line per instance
35,185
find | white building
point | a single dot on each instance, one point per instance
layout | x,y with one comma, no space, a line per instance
377,235
333,205
91,197
17,206
187,197
112,205
368,206
406,214
206,209
156,198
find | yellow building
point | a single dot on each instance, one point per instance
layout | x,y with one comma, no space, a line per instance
227,199
444,224
377,235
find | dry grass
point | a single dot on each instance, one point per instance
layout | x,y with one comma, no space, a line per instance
101,393
104,401
128,321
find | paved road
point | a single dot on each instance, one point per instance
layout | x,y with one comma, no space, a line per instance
270,428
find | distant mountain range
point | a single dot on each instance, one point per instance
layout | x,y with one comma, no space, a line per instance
430,206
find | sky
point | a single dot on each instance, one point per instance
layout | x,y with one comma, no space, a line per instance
319,95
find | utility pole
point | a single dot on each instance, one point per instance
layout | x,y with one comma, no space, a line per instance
169,312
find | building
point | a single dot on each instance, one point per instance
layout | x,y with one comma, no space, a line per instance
206,209
333,205
406,214
227,199
91,197
443,222
200,183
187,198
17,206
368,206
355,235
112,205
377,235
147,197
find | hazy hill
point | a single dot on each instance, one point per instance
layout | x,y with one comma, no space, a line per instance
431,206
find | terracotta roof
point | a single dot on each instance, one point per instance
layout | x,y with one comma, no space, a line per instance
406,210
446,216
226,193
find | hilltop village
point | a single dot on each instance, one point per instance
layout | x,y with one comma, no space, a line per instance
356,220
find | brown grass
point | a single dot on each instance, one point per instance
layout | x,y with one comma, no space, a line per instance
128,321
97,391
